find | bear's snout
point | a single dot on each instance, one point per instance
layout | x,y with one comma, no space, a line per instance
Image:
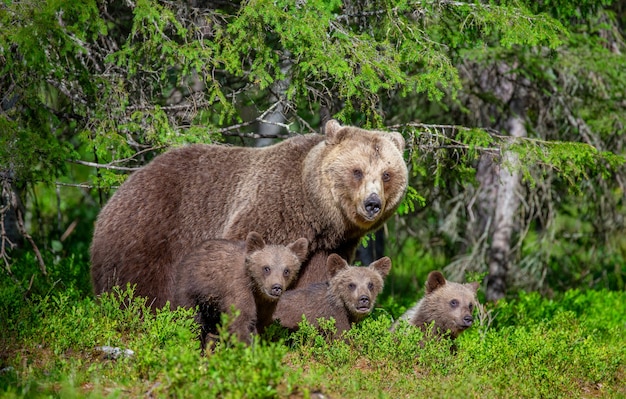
277,290
364,302
468,320
373,205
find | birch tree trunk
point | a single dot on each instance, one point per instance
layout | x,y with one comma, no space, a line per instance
270,126
9,201
10,235
494,207
506,207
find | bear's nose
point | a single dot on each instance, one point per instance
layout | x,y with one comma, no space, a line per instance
277,289
373,204
364,300
468,320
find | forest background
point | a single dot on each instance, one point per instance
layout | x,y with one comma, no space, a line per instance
513,112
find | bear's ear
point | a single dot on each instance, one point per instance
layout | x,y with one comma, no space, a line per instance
331,130
473,286
335,263
397,139
300,247
382,266
435,280
254,242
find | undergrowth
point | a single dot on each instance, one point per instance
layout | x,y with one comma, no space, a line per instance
52,334
51,346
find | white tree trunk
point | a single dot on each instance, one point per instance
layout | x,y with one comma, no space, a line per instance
10,236
271,127
507,204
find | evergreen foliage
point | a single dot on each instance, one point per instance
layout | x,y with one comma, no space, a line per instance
112,84
92,90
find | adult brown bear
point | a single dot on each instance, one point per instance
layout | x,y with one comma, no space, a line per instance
331,189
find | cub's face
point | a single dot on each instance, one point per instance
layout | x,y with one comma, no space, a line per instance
356,287
459,306
450,304
366,173
273,268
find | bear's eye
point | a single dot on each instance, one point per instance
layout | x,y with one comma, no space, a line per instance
352,286
454,303
370,286
386,176
471,307
286,273
266,270
358,174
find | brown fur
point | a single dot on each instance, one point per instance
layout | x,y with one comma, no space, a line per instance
449,305
348,297
249,276
313,186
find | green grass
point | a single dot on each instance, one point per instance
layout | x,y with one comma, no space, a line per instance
572,346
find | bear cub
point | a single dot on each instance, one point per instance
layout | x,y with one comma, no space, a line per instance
248,276
449,305
347,297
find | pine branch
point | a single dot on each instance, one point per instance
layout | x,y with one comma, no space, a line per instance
103,166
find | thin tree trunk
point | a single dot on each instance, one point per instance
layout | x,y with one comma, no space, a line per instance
10,236
9,203
494,208
278,91
507,205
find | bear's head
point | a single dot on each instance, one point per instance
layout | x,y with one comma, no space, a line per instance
365,173
356,287
450,305
273,267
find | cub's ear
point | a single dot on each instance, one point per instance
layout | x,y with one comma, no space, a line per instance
331,127
334,132
473,286
300,247
335,263
254,242
397,140
435,280
382,266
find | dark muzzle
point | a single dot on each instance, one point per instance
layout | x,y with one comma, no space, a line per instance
372,205
364,302
277,289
